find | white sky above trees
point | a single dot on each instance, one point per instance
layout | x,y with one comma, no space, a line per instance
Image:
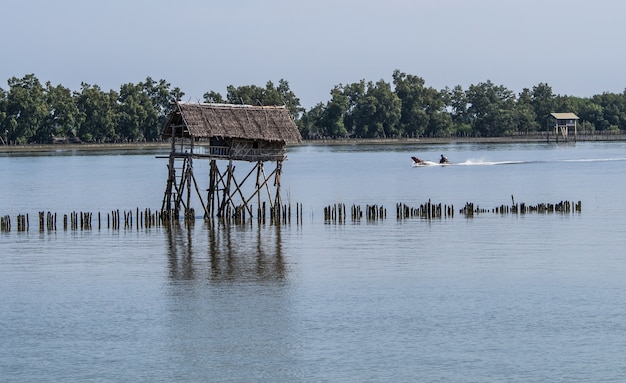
574,46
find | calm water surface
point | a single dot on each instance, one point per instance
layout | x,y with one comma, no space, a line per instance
532,298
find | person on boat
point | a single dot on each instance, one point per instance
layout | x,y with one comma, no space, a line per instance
443,160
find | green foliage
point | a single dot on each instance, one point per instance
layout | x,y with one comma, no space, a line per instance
289,99
32,113
255,95
525,118
439,124
491,109
3,117
98,114
593,113
62,115
136,112
309,124
161,97
380,110
410,90
26,110
213,97
458,105
542,100
332,121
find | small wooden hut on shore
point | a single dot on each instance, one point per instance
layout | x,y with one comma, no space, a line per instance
562,123
226,133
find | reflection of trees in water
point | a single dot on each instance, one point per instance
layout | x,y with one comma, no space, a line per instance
224,252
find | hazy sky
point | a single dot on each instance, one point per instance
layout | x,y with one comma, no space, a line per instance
577,47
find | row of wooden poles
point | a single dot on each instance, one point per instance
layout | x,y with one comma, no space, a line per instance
429,210
565,207
115,219
279,214
337,212
146,218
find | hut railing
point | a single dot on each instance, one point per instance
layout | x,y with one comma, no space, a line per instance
243,154
219,151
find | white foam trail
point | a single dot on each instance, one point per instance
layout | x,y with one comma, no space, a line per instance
596,159
482,162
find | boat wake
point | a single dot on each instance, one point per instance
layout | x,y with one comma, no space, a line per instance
470,162
481,162
596,160
474,162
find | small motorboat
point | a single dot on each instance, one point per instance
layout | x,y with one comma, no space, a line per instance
418,161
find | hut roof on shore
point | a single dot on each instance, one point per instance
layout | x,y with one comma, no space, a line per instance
201,120
564,116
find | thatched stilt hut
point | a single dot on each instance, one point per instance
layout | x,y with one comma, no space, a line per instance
226,133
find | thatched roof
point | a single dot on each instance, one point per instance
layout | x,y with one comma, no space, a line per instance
266,123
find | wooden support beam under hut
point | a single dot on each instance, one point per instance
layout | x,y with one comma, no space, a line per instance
224,134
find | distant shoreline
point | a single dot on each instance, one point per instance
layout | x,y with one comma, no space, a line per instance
346,141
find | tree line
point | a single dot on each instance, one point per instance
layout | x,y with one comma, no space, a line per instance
408,108
34,113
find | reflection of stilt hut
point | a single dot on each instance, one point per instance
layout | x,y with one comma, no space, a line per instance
561,123
227,133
